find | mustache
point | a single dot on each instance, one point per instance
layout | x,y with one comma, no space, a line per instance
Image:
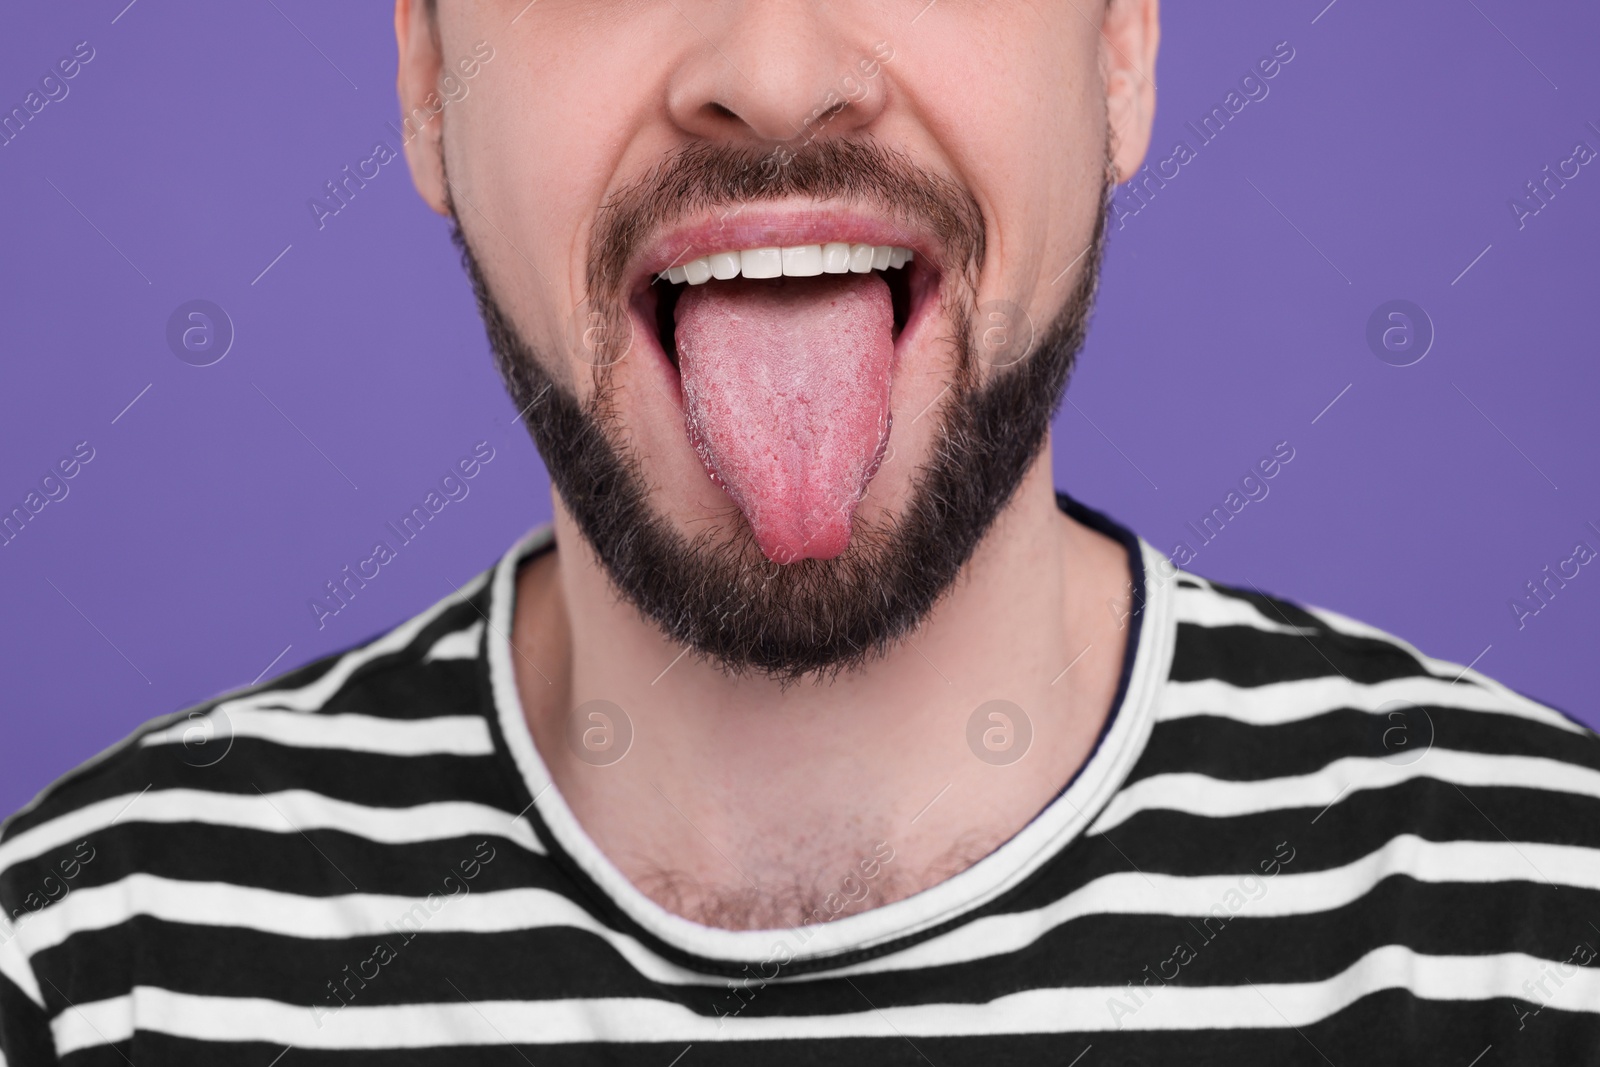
708,176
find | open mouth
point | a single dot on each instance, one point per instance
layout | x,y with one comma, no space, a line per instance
785,355
658,302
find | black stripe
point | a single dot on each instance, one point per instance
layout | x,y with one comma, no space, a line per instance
1237,751
1362,821
1247,657
25,1035
544,963
309,865
409,688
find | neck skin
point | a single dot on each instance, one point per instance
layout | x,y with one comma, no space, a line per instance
743,805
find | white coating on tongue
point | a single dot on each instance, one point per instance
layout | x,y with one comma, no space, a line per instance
786,394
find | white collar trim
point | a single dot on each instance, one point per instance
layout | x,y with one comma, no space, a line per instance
1061,821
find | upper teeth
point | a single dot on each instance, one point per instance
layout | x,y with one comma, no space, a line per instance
801,261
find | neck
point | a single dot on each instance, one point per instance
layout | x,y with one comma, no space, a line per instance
745,804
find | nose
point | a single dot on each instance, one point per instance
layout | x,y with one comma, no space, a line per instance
776,71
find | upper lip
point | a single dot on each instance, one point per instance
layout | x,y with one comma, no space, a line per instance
772,225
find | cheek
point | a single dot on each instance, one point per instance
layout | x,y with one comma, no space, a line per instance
533,153
1033,156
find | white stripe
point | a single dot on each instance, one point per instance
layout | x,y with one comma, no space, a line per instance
463,644
1086,1009
104,1022
1199,794
290,811
1201,607
1344,624
1285,702
1251,894
219,904
457,735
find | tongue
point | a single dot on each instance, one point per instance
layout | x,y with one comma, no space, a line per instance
786,386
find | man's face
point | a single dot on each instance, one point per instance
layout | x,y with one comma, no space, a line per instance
783,430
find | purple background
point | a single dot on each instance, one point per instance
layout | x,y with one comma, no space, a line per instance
1233,310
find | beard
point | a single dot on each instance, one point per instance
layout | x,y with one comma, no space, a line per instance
715,592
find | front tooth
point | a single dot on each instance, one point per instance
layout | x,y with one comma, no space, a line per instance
677,275
860,259
880,257
724,265
697,271
835,257
761,262
898,257
802,261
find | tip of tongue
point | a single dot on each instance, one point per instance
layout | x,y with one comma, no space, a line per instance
807,527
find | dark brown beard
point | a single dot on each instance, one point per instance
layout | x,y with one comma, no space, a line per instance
715,592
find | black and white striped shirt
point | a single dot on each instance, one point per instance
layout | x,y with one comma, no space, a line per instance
1300,840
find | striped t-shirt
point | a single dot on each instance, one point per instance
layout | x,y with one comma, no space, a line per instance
1299,840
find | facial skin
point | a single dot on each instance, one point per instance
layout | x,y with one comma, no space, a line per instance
722,596
1013,108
